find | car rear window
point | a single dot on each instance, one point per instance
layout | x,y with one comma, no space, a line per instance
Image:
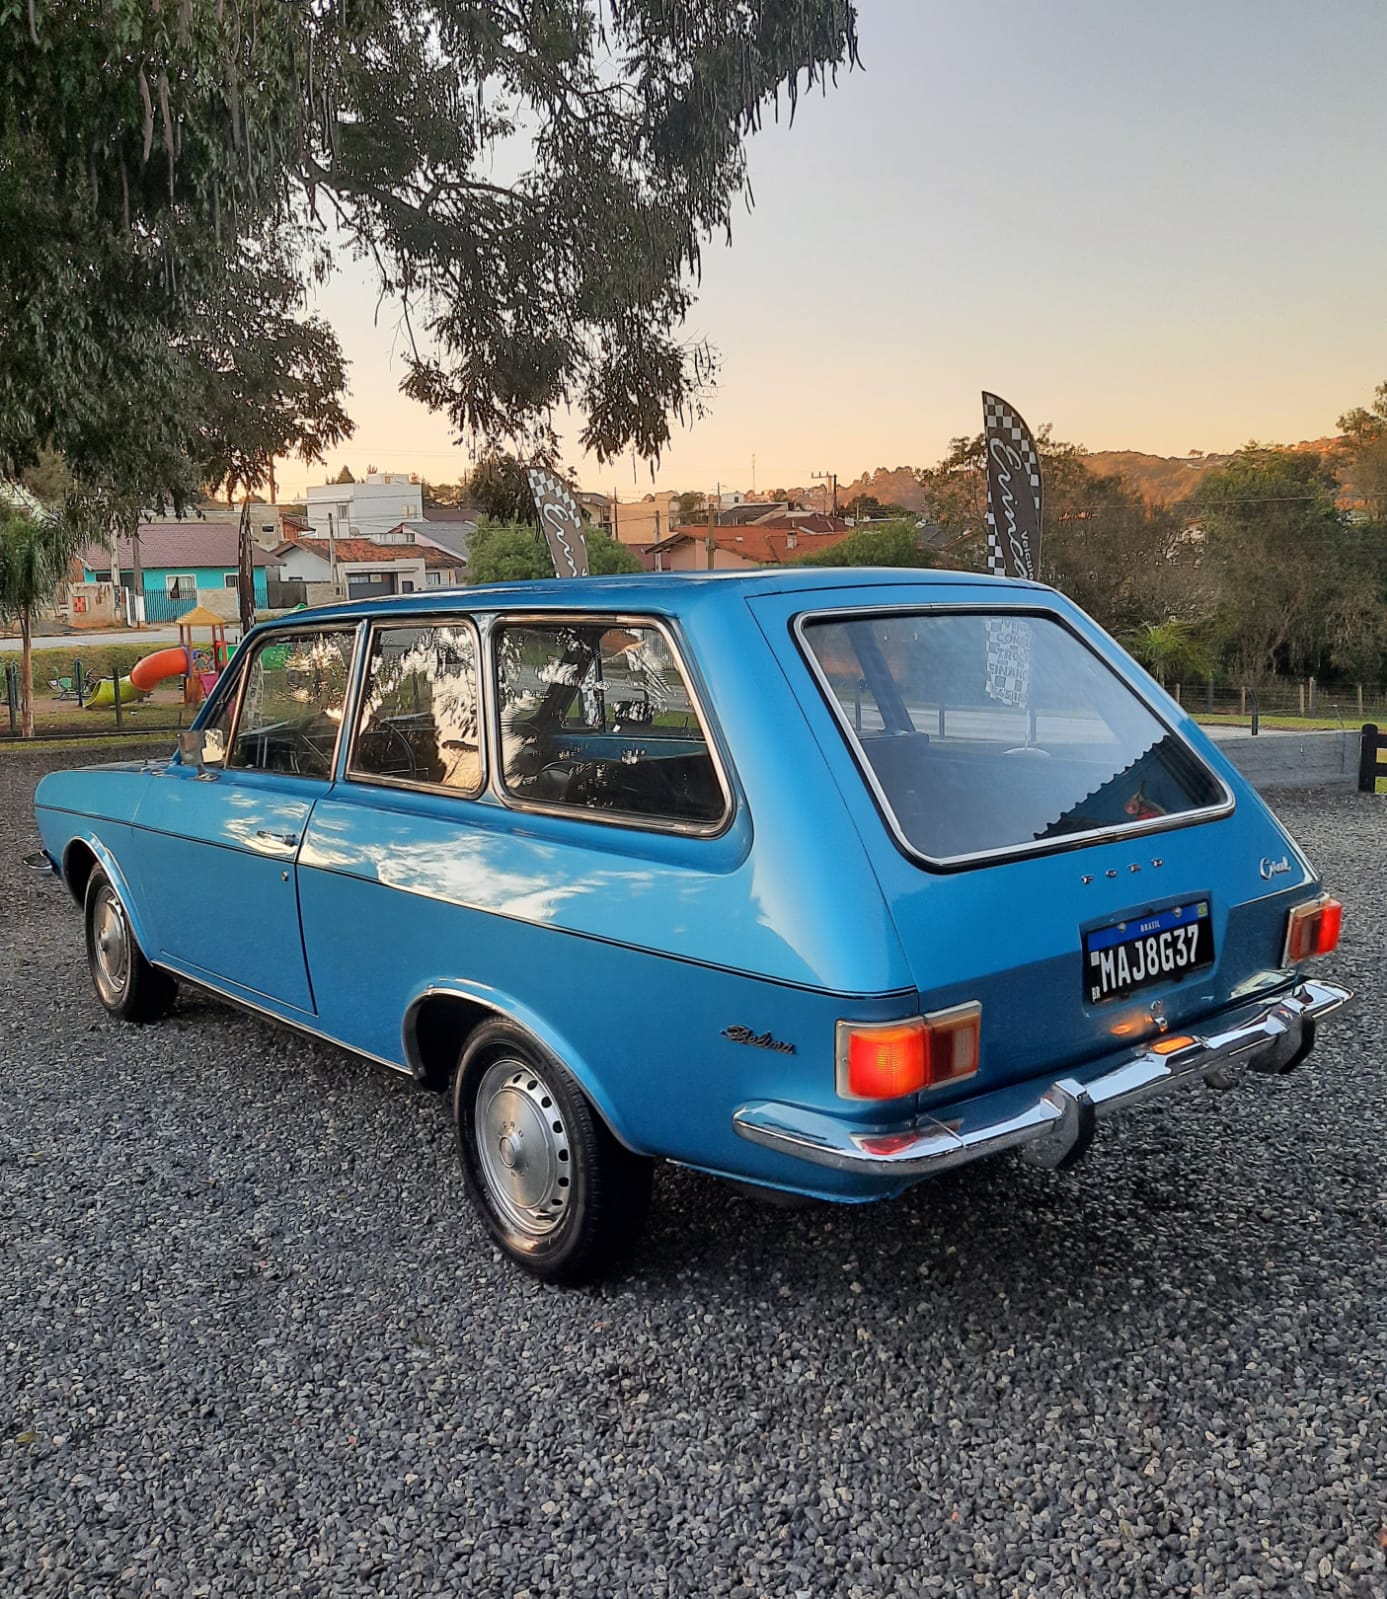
996,733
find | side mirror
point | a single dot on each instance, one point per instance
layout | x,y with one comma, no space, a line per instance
201,747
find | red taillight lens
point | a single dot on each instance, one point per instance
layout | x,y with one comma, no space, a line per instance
885,1062
888,1061
1313,929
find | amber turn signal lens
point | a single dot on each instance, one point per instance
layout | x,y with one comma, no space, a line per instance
1313,929
877,1061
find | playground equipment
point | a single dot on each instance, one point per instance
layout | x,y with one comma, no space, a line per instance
144,674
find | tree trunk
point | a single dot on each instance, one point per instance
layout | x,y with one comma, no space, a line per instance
26,673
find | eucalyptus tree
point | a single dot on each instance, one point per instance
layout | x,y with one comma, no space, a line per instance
535,180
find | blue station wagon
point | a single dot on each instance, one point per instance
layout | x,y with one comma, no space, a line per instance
823,882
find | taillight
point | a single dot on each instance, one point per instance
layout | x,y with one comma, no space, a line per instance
888,1060
1312,929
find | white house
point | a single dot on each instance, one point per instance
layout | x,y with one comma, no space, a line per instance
366,510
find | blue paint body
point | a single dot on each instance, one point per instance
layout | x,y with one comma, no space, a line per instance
336,905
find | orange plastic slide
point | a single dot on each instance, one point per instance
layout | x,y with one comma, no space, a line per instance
155,668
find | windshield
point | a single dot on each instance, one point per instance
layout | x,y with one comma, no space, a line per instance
987,733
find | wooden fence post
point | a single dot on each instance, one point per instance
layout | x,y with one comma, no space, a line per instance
1370,766
1360,699
1242,701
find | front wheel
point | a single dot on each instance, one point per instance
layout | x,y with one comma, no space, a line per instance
126,984
556,1190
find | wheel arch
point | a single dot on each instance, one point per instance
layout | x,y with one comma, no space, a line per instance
81,856
442,1016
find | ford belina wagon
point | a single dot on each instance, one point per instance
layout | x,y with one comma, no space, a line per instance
824,882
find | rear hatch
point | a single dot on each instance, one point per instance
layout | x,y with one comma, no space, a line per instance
1052,837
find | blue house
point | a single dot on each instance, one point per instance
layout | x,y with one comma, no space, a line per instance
184,563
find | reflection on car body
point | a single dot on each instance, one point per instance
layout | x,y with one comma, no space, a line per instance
825,884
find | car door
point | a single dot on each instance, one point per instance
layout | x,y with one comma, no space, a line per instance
218,848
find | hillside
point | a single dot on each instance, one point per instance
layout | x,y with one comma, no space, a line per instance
1160,479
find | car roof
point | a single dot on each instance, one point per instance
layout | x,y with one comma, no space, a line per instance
663,594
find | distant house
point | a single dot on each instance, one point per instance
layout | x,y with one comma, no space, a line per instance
367,567
368,509
184,564
768,542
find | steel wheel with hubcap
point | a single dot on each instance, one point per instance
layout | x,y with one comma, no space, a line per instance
557,1191
126,984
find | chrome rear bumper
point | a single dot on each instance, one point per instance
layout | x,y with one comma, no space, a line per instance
1055,1124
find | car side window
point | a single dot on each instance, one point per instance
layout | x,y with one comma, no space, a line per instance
597,716
420,720
296,687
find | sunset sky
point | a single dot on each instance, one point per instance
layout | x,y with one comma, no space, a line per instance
1156,227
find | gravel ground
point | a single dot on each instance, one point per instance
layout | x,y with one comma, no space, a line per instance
253,1342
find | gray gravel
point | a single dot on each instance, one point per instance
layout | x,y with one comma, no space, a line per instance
253,1342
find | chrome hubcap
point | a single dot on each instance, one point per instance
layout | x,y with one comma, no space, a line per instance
522,1141
111,940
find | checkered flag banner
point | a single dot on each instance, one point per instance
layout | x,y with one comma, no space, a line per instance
562,523
1013,491
1014,504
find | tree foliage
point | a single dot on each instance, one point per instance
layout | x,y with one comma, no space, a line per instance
1299,588
514,551
36,550
535,181
887,544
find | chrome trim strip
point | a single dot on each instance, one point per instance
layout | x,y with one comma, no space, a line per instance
409,785
209,987
1267,1040
1161,824
711,735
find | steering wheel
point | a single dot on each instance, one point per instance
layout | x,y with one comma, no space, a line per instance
388,730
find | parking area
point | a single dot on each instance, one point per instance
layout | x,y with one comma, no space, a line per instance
252,1340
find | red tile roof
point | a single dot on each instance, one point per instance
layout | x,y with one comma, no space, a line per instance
369,550
768,542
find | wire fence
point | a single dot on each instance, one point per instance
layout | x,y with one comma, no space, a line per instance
1350,704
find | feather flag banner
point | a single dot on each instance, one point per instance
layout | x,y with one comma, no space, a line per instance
1014,509
561,522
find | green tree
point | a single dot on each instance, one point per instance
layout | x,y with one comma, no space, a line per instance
1282,556
513,552
1169,651
344,476
499,486
687,507
887,544
1365,451
268,381
535,182
1119,558
36,551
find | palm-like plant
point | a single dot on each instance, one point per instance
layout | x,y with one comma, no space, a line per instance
1169,650
36,550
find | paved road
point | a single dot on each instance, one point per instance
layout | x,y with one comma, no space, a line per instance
153,636
251,1341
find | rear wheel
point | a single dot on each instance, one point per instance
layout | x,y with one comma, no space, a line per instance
126,984
556,1190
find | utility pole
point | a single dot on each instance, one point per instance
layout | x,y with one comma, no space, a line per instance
332,557
753,472
710,543
828,478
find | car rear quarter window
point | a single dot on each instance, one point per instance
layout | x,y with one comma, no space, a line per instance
420,719
984,734
597,716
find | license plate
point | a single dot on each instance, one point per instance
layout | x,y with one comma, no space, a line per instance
1161,947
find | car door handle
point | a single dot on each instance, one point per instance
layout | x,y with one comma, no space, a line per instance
289,840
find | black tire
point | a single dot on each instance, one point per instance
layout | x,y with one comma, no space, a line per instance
126,984
556,1190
